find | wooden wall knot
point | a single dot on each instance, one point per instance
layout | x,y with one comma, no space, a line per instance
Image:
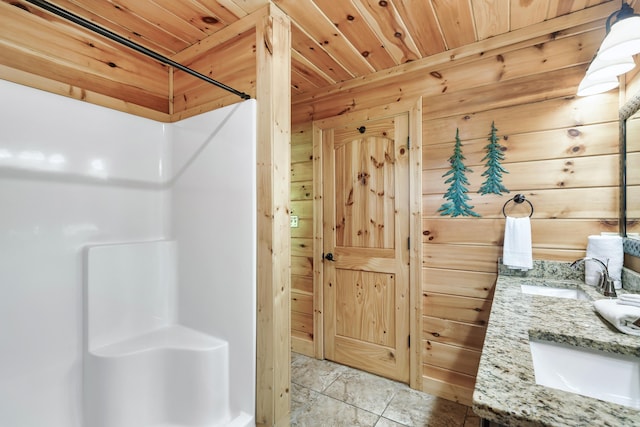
376,163
363,177
350,198
210,20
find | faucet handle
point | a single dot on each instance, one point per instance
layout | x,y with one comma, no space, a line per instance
608,288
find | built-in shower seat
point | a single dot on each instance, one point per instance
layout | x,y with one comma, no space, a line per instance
142,368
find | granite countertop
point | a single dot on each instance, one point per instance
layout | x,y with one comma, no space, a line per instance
506,391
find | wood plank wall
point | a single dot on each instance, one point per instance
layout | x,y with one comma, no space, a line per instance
562,154
86,66
302,331
83,66
561,151
230,55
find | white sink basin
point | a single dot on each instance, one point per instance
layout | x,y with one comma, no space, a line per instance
605,376
554,292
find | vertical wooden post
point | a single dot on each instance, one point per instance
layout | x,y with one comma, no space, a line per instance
318,244
273,94
415,253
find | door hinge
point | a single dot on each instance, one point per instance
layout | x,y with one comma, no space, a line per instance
409,243
409,341
408,142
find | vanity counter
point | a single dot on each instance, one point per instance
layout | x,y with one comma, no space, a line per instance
506,391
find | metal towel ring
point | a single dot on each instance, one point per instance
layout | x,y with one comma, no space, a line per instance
518,198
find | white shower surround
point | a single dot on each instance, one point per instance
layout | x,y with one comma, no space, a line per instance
73,175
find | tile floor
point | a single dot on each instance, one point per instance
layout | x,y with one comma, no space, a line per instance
327,394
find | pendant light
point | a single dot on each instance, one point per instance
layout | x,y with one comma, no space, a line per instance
601,68
615,55
623,36
591,86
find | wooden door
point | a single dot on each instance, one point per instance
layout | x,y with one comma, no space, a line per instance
366,254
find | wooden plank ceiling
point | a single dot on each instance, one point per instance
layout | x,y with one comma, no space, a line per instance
332,40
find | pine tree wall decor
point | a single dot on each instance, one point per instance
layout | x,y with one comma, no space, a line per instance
494,171
457,192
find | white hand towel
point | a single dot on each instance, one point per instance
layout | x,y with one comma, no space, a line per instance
632,303
629,299
605,247
620,316
516,253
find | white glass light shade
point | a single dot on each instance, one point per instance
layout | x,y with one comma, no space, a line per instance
601,69
591,87
623,39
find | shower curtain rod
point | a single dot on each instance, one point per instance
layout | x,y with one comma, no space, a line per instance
132,45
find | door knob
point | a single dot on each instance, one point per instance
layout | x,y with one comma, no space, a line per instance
329,257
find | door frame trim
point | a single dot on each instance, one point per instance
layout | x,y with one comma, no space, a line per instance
414,109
